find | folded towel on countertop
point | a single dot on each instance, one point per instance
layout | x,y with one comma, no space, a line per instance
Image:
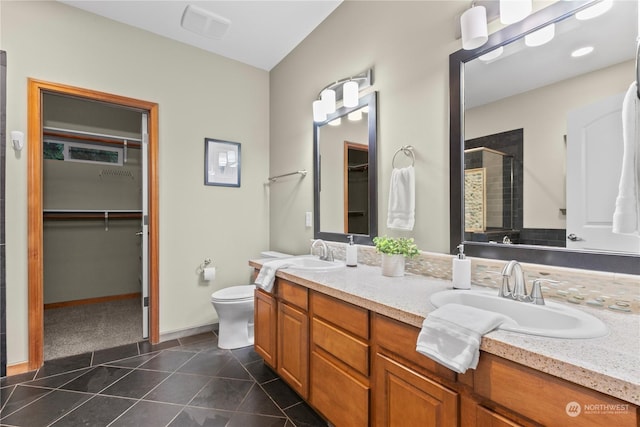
267,275
402,199
451,335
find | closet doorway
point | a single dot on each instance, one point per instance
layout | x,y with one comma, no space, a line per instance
93,209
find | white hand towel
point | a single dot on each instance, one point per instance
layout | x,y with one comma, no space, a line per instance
402,199
451,335
267,275
626,217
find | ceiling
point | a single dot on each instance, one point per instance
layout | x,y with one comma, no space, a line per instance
261,32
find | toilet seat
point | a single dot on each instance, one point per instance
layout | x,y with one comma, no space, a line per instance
234,294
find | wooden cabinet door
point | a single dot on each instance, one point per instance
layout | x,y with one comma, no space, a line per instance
293,348
403,397
488,418
265,312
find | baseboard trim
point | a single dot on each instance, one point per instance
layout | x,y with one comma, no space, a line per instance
92,300
18,368
168,336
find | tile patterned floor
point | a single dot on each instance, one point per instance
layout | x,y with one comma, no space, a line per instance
186,382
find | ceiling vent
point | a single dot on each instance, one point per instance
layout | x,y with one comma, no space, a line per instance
204,23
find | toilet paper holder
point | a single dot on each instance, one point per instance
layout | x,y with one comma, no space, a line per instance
205,263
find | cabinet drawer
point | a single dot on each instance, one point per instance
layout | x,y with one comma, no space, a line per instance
342,314
343,346
401,339
556,401
339,397
292,294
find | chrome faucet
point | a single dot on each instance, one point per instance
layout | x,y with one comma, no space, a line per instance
327,253
519,292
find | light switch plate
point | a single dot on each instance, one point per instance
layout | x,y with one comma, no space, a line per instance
308,219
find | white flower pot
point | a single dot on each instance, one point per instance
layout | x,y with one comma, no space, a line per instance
393,265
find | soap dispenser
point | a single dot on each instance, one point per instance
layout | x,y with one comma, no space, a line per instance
461,270
352,253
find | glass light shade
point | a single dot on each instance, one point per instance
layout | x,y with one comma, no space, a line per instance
512,11
319,115
354,116
328,97
473,27
540,37
350,93
595,10
491,55
335,122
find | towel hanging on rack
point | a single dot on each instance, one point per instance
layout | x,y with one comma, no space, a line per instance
402,189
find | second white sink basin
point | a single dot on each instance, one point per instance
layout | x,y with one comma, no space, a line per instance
550,320
313,263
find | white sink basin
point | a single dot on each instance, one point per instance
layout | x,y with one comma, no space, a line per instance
550,320
313,263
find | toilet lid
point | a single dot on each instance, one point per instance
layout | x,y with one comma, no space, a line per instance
234,293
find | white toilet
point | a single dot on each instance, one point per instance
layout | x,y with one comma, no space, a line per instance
234,306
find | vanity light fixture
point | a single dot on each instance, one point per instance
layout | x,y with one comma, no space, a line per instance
495,53
335,122
347,90
582,51
542,36
354,116
512,11
596,10
473,27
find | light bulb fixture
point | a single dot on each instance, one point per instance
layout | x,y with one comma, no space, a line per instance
512,11
354,116
335,122
347,90
495,53
542,36
473,27
596,10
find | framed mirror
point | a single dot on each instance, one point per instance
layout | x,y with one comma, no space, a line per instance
344,177
518,111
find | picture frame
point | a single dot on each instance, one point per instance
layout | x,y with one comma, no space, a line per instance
221,163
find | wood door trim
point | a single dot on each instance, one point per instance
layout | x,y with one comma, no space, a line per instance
348,146
35,91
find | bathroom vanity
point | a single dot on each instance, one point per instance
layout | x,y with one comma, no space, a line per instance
345,342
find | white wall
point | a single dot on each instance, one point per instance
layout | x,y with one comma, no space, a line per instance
199,95
408,45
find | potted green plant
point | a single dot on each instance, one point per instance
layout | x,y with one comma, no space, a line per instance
394,250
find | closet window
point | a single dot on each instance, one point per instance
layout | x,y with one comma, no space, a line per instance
78,152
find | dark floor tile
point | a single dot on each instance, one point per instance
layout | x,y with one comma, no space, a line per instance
97,379
222,393
178,388
98,411
207,363
133,362
208,344
17,379
21,396
136,384
167,361
233,369
64,364
58,380
115,353
260,371
281,393
5,393
246,354
49,408
205,336
147,414
257,402
147,347
253,420
303,416
200,417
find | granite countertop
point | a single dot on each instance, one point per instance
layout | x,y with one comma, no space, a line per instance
610,364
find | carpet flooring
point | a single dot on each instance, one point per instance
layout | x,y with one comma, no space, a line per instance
85,328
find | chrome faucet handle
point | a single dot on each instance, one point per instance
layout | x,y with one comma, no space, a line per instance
329,256
536,293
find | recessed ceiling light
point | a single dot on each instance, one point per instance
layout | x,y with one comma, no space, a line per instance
582,51
595,10
204,23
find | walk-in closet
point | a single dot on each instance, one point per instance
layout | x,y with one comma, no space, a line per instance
93,192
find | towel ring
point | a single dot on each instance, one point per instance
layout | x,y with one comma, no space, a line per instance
407,150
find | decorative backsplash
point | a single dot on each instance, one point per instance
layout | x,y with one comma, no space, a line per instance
610,291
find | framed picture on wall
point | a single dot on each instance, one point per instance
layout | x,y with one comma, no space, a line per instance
221,163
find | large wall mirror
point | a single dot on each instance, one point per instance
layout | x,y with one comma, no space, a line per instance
532,177
345,184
